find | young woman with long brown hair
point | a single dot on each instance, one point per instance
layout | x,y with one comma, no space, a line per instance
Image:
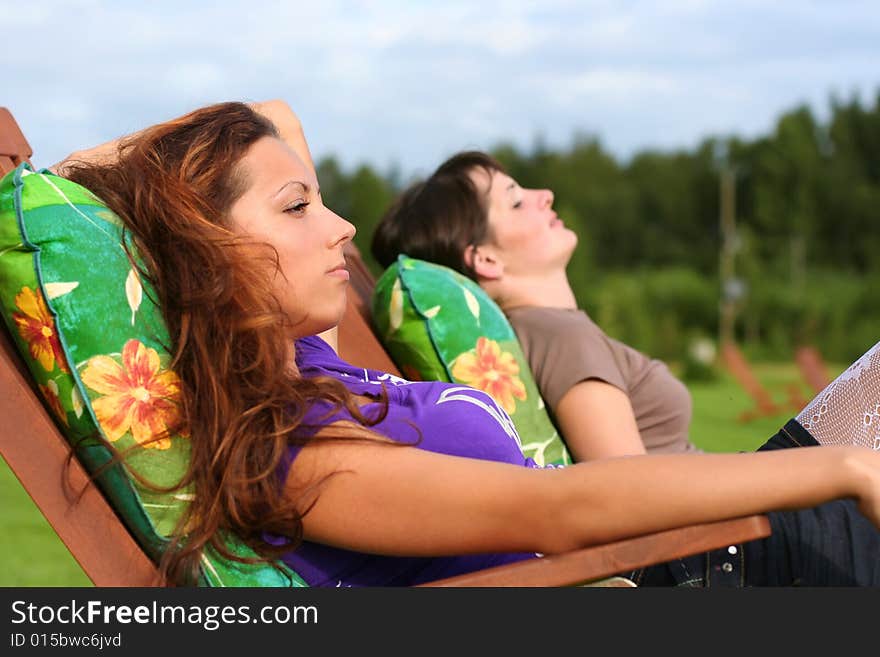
355,477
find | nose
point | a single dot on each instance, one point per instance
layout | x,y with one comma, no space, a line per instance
343,230
545,198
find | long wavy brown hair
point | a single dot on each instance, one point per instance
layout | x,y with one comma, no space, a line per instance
243,403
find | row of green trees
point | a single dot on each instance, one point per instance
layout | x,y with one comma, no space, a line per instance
804,252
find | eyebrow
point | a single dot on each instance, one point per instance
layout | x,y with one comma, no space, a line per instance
301,184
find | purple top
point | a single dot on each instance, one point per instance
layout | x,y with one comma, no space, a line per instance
453,419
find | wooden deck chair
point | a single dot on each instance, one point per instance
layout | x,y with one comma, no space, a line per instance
738,366
36,451
813,368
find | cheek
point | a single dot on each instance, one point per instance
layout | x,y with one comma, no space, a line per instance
523,236
293,276
296,257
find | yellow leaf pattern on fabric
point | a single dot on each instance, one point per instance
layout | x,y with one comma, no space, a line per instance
50,394
540,448
472,303
9,249
133,292
76,401
395,309
55,290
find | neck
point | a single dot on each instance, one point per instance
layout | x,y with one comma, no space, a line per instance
331,337
551,290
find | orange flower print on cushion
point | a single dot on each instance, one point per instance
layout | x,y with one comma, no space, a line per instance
50,394
138,396
491,370
37,329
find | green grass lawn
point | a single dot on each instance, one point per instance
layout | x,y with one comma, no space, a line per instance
32,553
718,405
34,556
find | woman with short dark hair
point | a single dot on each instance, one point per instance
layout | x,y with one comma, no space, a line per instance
607,398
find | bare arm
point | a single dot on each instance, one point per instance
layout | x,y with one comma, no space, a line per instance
289,127
102,154
406,501
597,421
277,111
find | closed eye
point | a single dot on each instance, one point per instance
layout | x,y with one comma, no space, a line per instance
517,205
298,207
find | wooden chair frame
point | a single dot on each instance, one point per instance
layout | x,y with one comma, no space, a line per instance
37,453
738,366
812,367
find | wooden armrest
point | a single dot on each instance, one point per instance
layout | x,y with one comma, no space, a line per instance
600,561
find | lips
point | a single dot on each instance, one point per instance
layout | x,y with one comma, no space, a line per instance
339,271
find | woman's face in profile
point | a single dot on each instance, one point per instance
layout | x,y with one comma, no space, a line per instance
282,207
526,231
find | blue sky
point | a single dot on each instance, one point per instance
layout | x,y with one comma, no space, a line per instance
409,83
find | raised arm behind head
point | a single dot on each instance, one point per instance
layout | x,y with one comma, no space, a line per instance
286,124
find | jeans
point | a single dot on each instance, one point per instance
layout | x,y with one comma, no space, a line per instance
832,544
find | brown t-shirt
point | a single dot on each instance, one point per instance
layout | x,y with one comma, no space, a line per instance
564,347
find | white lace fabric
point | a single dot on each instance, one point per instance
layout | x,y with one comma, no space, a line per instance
847,412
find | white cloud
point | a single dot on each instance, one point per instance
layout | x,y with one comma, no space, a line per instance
67,110
24,16
194,78
619,83
409,82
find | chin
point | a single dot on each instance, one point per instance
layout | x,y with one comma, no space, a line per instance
572,245
319,322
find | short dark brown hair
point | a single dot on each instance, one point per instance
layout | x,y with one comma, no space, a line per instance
439,218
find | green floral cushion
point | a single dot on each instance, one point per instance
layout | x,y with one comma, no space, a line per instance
96,346
438,325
